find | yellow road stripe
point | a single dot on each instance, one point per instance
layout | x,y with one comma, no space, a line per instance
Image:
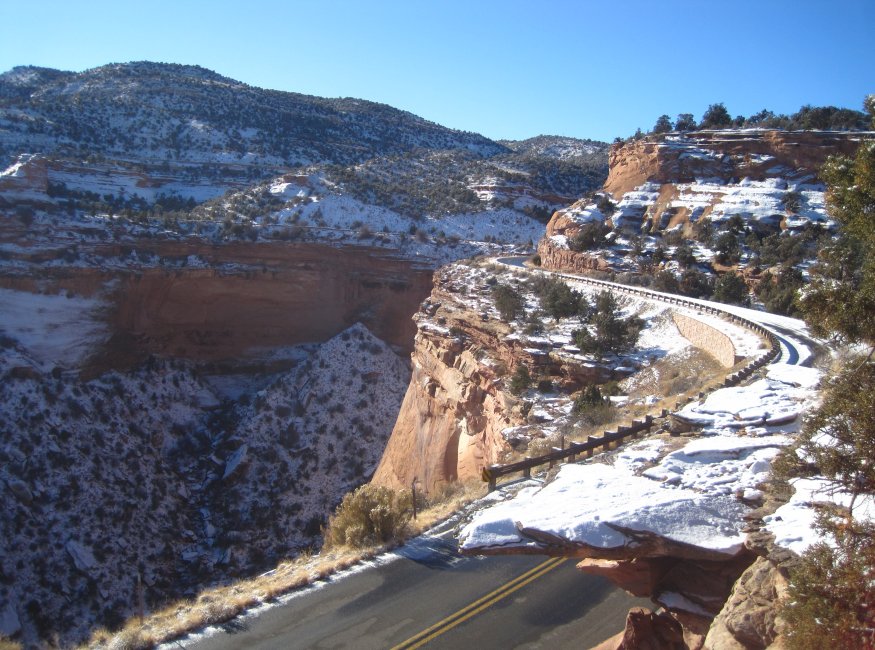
479,605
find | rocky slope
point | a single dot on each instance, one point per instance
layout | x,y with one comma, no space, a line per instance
460,413
132,136
174,473
747,200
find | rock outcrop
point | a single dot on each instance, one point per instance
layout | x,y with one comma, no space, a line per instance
670,182
224,303
755,154
459,403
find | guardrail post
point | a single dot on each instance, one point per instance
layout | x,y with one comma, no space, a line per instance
591,445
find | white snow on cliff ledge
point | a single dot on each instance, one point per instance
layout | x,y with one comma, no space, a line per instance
695,494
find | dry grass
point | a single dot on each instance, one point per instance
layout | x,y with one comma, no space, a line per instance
218,605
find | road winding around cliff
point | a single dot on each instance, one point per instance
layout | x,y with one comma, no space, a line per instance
427,595
797,346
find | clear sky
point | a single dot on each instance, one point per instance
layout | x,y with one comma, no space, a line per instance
504,68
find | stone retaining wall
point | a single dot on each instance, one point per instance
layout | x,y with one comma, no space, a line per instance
707,338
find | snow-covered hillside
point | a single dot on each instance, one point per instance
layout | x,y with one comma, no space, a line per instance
169,472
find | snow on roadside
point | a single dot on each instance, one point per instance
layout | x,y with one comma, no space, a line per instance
793,523
695,495
584,503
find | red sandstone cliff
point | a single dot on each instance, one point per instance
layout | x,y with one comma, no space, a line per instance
721,154
220,302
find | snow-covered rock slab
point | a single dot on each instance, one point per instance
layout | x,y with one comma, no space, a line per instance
793,523
598,506
778,399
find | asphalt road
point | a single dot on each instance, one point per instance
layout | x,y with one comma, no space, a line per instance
792,333
432,597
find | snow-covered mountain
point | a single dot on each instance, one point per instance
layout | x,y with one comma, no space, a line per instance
165,112
156,472
145,129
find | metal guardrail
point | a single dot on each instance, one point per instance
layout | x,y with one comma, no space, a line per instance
492,473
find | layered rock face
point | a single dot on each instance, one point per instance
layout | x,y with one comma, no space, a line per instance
721,154
663,184
224,302
450,422
459,404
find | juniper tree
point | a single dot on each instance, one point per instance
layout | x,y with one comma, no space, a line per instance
832,591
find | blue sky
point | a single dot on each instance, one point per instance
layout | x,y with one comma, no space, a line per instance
506,69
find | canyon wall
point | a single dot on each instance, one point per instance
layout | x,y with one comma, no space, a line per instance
222,302
670,182
721,154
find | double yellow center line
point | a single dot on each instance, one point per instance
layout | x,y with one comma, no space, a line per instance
479,605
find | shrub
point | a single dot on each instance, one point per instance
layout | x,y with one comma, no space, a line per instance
587,398
521,380
560,301
508,302
368,516
591,235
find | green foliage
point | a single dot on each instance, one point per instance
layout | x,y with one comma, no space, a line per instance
587,398
508,302
666,281
728,250
558,300
847,416
832,592
612,332
840,299
685,122
792,201
605,205
731,289
684,255
592,235
369,516
703,231
534,325
716,117
779,294
663,124
591,408
521,380
832,596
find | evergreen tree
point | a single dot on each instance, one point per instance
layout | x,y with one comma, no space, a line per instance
840,298
521,380
731,289
728,251
613,333
663,124
832,592
716,117
508,302
684,255
685,122
560,301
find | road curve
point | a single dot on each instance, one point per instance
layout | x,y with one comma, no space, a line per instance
426,591
796,343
